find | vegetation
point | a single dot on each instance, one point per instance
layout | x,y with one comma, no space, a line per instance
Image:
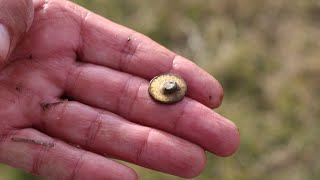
266,54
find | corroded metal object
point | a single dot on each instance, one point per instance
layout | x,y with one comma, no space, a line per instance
167,88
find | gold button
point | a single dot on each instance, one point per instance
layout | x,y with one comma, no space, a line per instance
167,88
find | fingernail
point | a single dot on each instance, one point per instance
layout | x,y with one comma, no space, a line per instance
4,43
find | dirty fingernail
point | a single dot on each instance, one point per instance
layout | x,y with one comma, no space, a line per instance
4,43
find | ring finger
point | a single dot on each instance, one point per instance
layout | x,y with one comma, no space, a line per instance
107,133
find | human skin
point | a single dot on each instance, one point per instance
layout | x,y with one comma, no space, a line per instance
58,50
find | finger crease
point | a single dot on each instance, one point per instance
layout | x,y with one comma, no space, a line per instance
143,147
123,92
73,77
134,100
39,159
93,130
47,112
5,134
177,121
78,166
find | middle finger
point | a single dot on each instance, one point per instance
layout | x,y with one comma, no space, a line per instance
127,96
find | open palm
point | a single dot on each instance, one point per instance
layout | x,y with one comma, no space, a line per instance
103,69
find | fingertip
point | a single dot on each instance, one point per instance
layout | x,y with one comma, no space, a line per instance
225,139
198,163
232,142
202,87
228,137
172,155
130,174
211,131
216,95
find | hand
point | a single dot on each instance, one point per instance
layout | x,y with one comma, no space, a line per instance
103,69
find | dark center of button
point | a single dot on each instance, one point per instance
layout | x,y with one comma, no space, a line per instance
170,87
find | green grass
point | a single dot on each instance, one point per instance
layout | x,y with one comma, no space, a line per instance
266,55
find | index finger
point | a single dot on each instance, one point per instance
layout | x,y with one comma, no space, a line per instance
106,43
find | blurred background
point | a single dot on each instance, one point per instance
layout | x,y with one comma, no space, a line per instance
265,53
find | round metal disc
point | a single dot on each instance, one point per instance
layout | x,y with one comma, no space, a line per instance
158,88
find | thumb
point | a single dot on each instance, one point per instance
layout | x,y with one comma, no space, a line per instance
15,20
